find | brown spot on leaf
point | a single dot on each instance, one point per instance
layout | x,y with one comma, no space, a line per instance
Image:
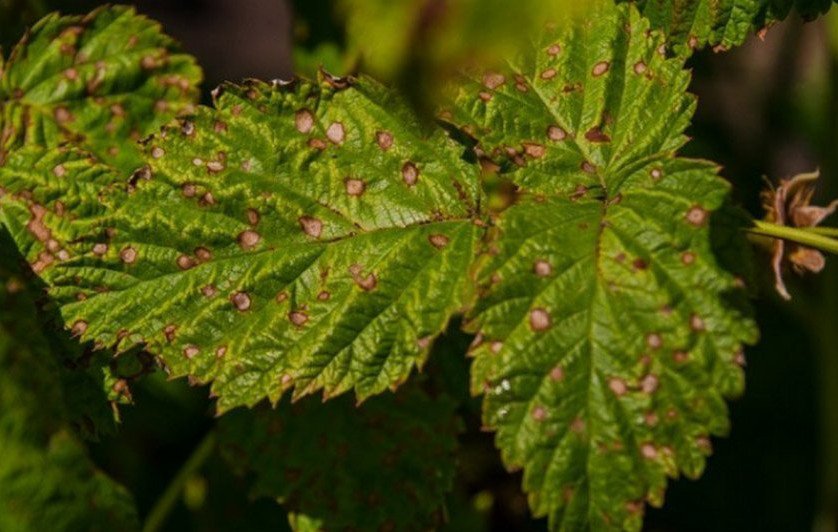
595,134
252,216
696,216
493,80
203,254
336,133
600,68
556,133
241,300
169,332
128,255
410,173
191,351
317,144
384,140
304,121
539,320
209,290
354,187
248,239
654,341
542,268
536,151
618,386
185,262
438,241
62,115
311,226
79,328
365,282
649,383
298,318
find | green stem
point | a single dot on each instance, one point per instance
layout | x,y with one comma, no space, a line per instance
166,503
828,231
796,234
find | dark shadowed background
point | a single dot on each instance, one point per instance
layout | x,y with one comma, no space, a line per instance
767,109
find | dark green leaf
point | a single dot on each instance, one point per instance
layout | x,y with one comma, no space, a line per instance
46,480
384,466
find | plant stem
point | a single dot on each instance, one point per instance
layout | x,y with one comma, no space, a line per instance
828,231
799,235
166,503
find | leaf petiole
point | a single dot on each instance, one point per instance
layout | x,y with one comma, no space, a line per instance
811,237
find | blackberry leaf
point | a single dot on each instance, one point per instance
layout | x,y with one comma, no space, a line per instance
312,236
609,335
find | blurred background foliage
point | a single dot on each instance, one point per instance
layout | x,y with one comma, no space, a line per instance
766,110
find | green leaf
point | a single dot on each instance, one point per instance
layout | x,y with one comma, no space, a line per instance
395,40
384,466
309,236
696,23
46,479
722,24
104,80
609,335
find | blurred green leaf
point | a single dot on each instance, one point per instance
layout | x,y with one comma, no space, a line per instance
384,465
46,480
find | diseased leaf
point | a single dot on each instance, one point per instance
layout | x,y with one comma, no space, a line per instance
384,466
104,81
722,24
42,193
696,23
309,236
46,479
609,335
37,206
